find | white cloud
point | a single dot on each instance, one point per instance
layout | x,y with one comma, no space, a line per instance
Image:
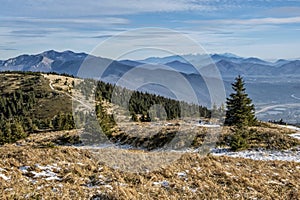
103,7
255,21
9,21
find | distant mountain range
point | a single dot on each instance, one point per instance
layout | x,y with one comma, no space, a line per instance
231,65
228,64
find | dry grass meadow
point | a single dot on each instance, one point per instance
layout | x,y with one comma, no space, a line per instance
36,168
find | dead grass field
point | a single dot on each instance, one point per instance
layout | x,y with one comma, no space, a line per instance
33,169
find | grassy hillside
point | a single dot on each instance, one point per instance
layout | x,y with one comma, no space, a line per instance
74,173
48,103
28,104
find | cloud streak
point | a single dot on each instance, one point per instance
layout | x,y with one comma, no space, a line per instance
103,21
255,21
99,8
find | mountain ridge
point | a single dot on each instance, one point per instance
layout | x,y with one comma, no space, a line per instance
228,64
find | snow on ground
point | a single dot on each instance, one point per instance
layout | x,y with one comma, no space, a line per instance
260,154
47,172
24,169
290,127
6,178
163,183
182,174
287,155
296,135
209,125
3,176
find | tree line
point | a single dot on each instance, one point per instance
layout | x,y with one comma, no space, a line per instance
140,103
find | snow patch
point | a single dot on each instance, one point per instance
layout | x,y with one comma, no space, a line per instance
290,127
260,154
209,125
24,169
182,174
6,178
46,172
163,183
296,135
294,128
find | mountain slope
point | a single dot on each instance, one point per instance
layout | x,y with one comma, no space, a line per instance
61,62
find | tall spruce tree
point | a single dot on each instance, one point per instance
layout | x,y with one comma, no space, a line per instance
240,110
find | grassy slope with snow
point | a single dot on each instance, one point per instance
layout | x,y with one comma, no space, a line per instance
32,168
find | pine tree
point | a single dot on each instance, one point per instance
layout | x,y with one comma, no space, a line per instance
57,122
240,110
17,131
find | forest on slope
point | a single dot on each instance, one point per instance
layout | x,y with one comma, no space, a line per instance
28,105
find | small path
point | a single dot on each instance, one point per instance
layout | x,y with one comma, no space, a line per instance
50,85
73,98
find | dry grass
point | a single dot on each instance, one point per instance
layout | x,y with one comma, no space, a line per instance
62,82
80,175
154,135
10,82
267,136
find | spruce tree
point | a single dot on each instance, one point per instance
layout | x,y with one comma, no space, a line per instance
240,110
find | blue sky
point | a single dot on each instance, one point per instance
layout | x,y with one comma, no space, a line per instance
268,29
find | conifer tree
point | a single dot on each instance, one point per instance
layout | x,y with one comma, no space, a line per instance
240,110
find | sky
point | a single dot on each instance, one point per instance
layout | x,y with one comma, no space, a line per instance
268,29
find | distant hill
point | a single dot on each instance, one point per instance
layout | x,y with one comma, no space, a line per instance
229,65
60,62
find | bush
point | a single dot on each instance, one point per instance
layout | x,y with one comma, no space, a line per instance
67,139
239,140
